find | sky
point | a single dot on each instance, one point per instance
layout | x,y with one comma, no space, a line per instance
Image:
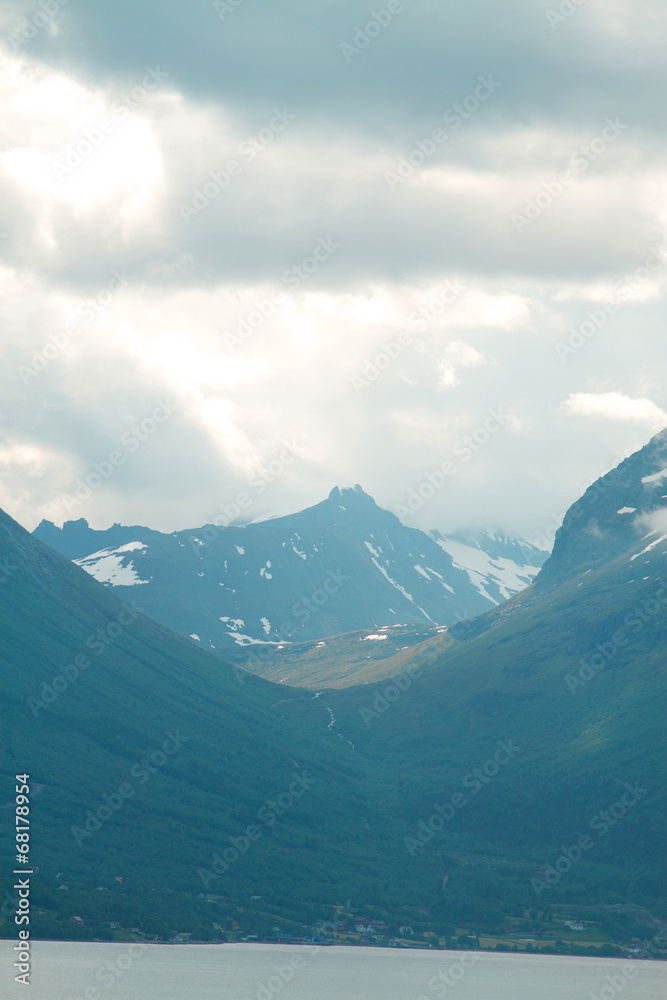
252,251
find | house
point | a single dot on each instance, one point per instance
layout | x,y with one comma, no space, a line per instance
76,920
406,931
575,925
363,929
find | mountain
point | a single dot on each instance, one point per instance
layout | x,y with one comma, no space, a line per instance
498,565
151,760
572,672
340,566
516,763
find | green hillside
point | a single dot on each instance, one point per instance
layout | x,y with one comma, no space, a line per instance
455,793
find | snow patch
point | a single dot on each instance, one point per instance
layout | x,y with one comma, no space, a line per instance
626,510
650,546
193,635
107,566
266,624
484,571
655,477
240,550
373,637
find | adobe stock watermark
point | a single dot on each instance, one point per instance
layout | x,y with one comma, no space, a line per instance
634,622
452,975
225,7
384,700
91,139
366,33
219,180
591,494
292,278
87,312
130,442
474,781
454,116
267,816
7,569
615,984
465,449
392,349
580,160
32,25
258,483
597,318
97,643
302,610
398,685
272,985
114,969
565,10
142,772
601,823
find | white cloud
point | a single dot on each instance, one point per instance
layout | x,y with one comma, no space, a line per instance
616,406
195,284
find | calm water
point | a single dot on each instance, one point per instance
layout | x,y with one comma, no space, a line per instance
61,971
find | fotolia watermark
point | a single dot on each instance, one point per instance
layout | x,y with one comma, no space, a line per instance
464,449
634,621
580,160
474,781
601,823
454,116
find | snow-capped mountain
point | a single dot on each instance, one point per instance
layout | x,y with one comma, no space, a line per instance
339,566
498,565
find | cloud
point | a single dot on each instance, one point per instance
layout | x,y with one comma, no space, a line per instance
243,190
462,354
616,406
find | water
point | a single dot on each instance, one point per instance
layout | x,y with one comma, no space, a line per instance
67,971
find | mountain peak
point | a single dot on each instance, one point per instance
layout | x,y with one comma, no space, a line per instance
349,492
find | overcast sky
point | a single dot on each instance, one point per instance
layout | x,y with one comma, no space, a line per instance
252,250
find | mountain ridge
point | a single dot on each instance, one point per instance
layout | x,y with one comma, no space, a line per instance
341,565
